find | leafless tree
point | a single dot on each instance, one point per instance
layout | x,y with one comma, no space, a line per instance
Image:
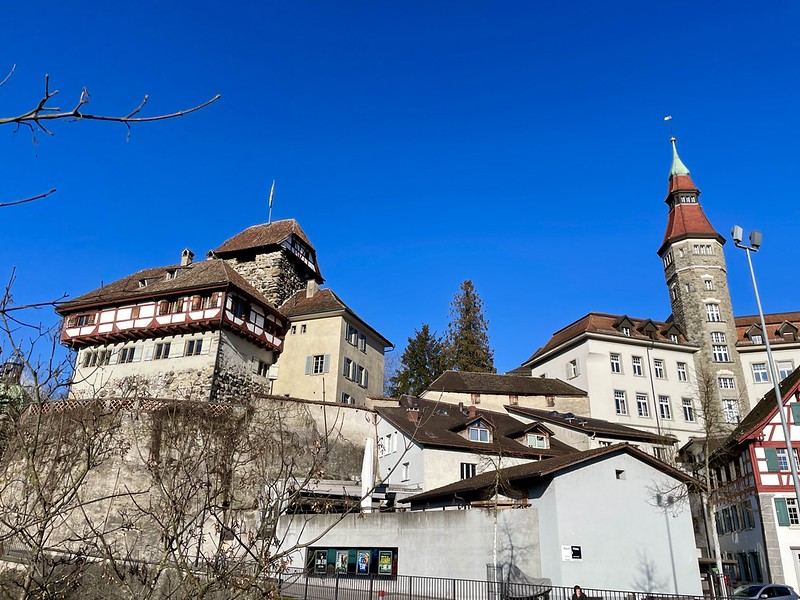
38,117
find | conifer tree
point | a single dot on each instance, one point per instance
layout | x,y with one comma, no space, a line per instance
422,362
467,334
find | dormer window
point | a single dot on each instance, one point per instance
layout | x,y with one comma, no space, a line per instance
142,283
756,338
626,331
171,274
479,432
537,440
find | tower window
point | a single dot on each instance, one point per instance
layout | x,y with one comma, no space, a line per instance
713,314
726,383
718,337
720,353
730,411
709,284
673,291
703,249
667,259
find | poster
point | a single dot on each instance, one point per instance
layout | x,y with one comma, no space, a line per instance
385,562
341,561
362,562
320,561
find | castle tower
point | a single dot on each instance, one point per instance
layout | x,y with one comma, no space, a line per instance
696,276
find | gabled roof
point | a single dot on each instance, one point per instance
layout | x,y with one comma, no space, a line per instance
522,476
491,383
298,305
606,324
437,425
203,275
591,426
774,322
261,236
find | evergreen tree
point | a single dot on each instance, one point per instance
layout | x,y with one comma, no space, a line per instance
422,362
467,334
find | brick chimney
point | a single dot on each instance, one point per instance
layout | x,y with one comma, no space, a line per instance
471,412
412,412
186,257
312,287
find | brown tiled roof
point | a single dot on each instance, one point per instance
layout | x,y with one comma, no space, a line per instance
207,274
773,322
591,426
325,300
520,476
439,424
260,236
688,220
491,383
604,323
520,372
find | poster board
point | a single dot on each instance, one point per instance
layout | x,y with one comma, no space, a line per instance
362,562
385,562
341,561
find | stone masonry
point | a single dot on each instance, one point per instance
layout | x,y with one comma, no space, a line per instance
273,274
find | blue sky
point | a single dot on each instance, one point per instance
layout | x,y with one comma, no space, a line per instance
518,144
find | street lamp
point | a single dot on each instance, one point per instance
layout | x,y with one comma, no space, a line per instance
755,244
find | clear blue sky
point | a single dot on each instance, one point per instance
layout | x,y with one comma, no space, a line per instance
518,144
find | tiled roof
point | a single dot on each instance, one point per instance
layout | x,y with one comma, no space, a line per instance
323,301
519,476
439,425
688,220
212,273
491,383
591,426
520,372
260,236
773,322
604,323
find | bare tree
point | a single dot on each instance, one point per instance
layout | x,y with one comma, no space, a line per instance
38,117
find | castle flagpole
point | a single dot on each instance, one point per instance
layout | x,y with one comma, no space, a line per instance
271,196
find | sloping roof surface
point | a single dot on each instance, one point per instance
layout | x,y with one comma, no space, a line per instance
491,383
590,426
204,274
533,470
260,236
773,322
604,323
689,220
439,425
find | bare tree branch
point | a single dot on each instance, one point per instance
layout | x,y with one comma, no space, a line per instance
31,199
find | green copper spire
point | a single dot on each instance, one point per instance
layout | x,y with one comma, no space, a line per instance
678,168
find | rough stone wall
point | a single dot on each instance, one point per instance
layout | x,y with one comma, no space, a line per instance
273,274
689,273
180,384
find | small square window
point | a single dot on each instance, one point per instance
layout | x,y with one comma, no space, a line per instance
303,328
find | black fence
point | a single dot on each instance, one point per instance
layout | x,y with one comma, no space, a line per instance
300,585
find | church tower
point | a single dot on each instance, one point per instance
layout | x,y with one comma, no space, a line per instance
694,268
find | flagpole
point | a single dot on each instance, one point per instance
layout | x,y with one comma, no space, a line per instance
271,195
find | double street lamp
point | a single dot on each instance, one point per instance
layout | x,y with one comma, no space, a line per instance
755,244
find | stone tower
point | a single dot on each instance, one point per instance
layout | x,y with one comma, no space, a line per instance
694,268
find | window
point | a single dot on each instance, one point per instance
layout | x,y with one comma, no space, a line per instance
362,342
709,284
702,249
756,338
161,351
726,383
135,312
303,328
293,329
786,510
241,309
616,366
760,374
673,291
479,432
347,399
717,337
784,369
347,371
537,440
319,364
360,376
513,399
126,355
673,337
351,334
626,331
81,320
468,470
637,365
688,410
730,410
720,353
572,369
263,368
620,402
404,472
667,259
387,444
664,408
713,314
642,405
682,373
748,520
193,347
658,368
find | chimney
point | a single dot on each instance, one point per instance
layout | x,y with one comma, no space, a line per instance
412,412
312,287
186,257
471,410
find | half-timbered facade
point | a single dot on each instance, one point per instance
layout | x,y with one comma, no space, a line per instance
757,516
196,329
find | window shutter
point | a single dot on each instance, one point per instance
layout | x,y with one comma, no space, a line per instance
309,360
176,348
114,357
180,305
772,459
163,306
782,512
196,301
135,312
366,378
326,363
149,347
206,347
795,406
137,353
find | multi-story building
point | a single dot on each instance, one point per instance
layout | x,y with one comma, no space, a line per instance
645,373
212,329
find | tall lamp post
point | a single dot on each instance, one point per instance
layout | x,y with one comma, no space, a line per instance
755,244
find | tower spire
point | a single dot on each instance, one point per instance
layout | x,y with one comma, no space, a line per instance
678,168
